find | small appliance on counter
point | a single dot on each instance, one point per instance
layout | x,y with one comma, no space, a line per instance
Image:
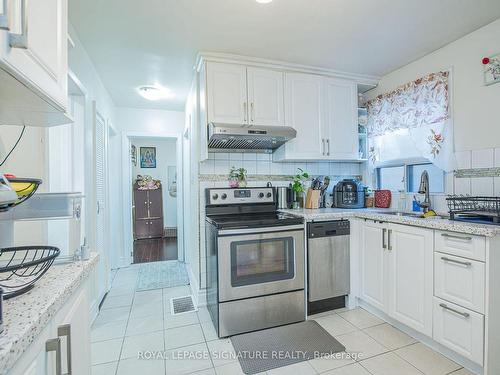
284,197
349,193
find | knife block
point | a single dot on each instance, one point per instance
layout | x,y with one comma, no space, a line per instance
312,198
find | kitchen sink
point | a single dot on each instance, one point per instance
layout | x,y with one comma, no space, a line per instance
416,215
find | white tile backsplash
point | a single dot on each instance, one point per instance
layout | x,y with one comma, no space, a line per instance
220,163
482,186
464,159
462,186
483,158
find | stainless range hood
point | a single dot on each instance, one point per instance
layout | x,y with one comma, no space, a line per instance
244,138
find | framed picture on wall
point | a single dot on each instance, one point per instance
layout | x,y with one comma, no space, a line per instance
148,157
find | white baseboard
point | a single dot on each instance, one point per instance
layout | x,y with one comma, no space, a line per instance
198,294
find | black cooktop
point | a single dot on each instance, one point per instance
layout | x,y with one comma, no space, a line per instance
256,220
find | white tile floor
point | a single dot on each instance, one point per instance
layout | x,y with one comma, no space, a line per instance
137,322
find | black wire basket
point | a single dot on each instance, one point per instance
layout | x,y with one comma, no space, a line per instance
21,267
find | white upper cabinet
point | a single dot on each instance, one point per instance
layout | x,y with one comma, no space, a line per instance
34,52
410,269
265,97
341,119
227,93
303,112
240,95
324,113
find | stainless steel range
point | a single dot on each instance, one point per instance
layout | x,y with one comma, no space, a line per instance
255,261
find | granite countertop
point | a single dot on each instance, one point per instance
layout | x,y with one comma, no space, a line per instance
25,317
381,215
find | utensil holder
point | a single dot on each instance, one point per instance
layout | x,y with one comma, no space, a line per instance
312,198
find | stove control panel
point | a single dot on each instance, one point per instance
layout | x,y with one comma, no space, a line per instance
227,196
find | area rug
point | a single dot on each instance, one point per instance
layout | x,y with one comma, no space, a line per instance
159,275
282,346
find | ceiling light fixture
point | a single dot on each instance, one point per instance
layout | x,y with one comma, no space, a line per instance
155,92
263,1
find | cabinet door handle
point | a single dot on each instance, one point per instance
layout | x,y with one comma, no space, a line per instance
446,307
54,345
65,331
21,40
323,146
389,245
457,237
252,112
245,112
4,17
328,144
446,259
384,246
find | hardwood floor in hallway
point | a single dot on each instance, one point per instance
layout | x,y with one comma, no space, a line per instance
155,249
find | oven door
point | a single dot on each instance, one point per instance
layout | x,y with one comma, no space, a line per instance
258,262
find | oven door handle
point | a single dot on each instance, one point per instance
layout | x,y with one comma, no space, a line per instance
226,232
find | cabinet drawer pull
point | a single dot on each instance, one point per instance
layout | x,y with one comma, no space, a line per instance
384,246
328,144
4,17
464,314
323,146
65,331
389,245
245,112
457,237
467,264
54,345
251,112
21,40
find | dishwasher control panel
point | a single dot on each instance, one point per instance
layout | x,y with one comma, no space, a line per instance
328,229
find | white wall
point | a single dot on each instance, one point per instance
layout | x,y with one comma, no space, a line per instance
166,156
475,106
150,121
28,159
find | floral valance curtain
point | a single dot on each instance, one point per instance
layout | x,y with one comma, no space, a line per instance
421,102
418,112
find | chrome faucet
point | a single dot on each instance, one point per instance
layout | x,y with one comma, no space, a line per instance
424,189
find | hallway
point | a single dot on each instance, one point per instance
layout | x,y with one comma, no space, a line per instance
155,249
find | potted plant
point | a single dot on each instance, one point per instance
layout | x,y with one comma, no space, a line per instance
237,177
298,188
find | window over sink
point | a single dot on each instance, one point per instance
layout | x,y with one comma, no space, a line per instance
407,177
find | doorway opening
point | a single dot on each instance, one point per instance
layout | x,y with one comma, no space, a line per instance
154,191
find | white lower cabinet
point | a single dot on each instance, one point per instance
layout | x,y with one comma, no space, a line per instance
460,280
409,254
372,257
396,272
459,329
64,345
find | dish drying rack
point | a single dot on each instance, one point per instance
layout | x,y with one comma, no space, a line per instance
474,206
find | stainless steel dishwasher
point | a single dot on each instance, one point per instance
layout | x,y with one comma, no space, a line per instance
328,265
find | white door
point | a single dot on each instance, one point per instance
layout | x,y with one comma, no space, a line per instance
227,93
265,97
35,48
373,267
410,259
341,124
101,203
303,112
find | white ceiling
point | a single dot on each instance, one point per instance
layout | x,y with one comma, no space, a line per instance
156,41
